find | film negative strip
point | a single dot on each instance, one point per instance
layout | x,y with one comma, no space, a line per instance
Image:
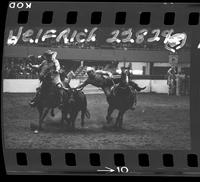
101,88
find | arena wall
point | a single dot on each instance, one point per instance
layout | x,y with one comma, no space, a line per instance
29,86
160,56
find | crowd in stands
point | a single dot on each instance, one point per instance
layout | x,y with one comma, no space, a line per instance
19,68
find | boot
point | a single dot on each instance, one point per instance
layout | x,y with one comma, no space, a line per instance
34,101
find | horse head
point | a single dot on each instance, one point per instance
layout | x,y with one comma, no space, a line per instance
124,78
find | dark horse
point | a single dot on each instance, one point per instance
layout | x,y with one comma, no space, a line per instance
122,98
49,99
76,102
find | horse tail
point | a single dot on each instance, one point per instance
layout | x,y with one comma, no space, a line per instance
87,113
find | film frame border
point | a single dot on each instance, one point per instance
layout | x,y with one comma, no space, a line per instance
82,156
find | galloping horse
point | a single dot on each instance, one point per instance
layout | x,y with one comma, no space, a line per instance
122,98
49,99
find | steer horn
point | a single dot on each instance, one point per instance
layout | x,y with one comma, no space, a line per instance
79,89
66,89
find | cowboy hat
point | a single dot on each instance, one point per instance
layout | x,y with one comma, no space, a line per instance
89,69
48,53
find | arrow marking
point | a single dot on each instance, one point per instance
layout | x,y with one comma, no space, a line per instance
106,170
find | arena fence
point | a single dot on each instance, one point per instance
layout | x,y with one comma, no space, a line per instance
30,85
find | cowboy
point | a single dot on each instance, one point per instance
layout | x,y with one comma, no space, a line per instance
99,79
49,64
171,74
171,79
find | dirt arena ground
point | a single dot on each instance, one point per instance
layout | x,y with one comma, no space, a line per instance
159,122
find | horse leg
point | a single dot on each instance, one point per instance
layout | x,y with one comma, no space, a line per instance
117,120
44,114
63,117
121,119
109,113
73,118
135,99
40,110
82,118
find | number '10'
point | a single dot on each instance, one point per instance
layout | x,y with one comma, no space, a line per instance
123,169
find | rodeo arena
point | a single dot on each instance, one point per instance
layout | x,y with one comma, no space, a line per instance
100,97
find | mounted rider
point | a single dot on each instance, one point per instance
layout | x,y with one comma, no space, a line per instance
49,65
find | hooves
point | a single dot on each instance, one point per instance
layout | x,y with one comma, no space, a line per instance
109,120
117,126
82,125
35,128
